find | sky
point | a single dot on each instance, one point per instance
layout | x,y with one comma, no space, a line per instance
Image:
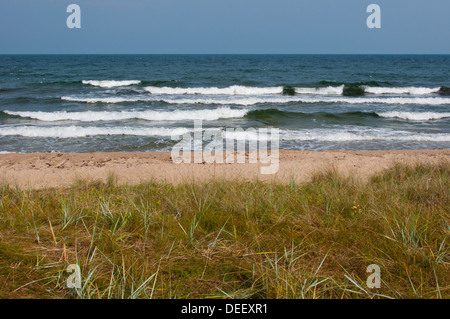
224,27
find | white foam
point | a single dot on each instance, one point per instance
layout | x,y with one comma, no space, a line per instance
109,100
345,134
110,83
236,100
231,90
242,90
246,90
177,115
400,90
289,99
360,134
330,90
340,135
415,116
248,135
80,131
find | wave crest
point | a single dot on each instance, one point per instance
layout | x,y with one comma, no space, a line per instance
231,90
261,100
346,134
177,115
81,131
415,116
111,83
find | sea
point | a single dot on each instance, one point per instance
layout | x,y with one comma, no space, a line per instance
87,103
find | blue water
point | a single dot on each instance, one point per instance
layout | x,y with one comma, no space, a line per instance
85,103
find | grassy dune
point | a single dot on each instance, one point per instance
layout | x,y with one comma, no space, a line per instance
231,239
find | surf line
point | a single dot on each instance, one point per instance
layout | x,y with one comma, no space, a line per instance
259,149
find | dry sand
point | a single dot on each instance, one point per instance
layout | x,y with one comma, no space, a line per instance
40,170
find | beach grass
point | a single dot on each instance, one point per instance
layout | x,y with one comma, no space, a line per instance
231,239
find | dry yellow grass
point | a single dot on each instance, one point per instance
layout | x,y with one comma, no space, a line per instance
226,239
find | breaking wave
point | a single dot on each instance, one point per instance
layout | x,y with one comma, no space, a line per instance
81,131
110,83
415,116
91,116
231,90
326,135
260,100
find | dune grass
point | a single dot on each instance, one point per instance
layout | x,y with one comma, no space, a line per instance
231,239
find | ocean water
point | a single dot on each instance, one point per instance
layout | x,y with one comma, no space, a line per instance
85,103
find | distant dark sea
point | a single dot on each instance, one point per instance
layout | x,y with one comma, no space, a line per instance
85,103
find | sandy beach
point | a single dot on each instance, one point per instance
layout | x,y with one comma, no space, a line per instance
41,170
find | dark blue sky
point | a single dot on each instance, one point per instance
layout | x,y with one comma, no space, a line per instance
224,26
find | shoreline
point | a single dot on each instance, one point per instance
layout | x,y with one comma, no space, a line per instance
43,170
